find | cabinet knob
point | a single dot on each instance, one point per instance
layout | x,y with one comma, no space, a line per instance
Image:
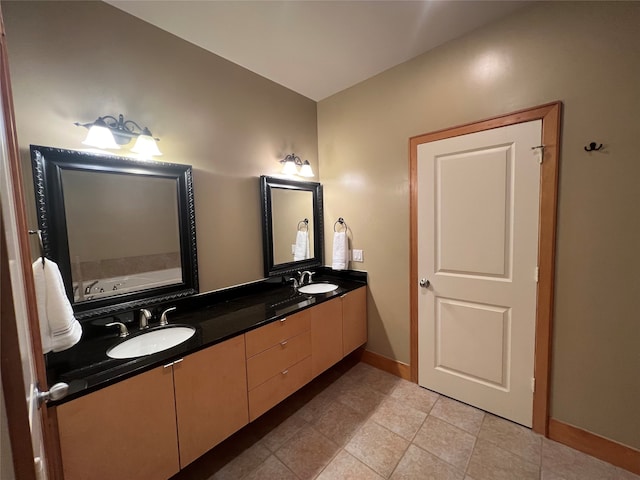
283,344
282,320
285,372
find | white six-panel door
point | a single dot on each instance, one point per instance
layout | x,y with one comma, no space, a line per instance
478,208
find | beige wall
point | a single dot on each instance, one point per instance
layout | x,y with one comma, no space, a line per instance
588,56
75,61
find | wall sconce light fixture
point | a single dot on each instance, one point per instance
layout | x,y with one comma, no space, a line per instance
290,165
108,132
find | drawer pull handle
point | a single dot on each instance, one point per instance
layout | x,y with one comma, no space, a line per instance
283,319
283,344
285,372
171,364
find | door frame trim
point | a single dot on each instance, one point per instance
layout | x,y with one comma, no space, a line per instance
550,114
10,373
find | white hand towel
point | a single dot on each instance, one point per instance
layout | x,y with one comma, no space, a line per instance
59,329
340,251
301,252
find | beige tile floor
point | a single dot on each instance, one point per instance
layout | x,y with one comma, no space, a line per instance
356,422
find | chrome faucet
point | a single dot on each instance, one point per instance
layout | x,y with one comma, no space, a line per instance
145,316
163,317
123,328
87,289
304,274
294,280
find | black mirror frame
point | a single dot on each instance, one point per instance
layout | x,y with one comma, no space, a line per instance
266,185
48,163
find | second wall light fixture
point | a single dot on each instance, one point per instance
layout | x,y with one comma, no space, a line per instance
109,132
290,165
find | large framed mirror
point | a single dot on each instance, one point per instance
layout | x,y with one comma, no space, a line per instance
122,231
292,225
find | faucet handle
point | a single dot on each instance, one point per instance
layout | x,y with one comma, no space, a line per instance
163,317
123,328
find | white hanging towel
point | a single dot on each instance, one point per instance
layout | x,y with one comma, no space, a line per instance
340,251
59,329
301,252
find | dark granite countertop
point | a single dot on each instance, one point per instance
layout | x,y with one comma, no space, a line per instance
216,316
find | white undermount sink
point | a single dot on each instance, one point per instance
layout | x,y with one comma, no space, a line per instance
317,288
152,342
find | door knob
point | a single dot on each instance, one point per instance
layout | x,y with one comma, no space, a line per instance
424,283
56,392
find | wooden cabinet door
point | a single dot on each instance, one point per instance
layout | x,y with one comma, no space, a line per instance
354,320
326,335
211,397
126,430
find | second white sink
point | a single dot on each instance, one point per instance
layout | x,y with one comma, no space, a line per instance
318,288
152,342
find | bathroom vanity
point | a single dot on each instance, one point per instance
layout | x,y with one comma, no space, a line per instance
148,413
254,346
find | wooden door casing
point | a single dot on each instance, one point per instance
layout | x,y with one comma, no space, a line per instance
550,114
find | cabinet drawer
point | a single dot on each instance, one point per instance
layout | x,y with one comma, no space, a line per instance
278,387
263,366
266,337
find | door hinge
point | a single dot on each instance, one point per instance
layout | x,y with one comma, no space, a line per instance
540,150
537,274
533,384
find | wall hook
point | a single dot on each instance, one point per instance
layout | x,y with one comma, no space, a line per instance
593,147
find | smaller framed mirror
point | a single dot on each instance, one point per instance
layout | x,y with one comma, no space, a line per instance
292,225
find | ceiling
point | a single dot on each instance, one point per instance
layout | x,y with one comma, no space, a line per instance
318,48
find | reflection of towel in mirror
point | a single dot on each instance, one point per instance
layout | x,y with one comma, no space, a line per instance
59,329
340,251
301,252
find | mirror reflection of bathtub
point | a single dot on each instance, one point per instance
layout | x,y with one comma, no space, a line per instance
122,231
91,289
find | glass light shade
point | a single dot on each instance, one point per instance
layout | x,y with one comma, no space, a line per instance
146,146
100,137
289,168
305,170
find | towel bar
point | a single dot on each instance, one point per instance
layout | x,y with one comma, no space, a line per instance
342,224
305,223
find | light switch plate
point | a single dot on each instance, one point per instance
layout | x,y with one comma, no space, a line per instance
357,255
